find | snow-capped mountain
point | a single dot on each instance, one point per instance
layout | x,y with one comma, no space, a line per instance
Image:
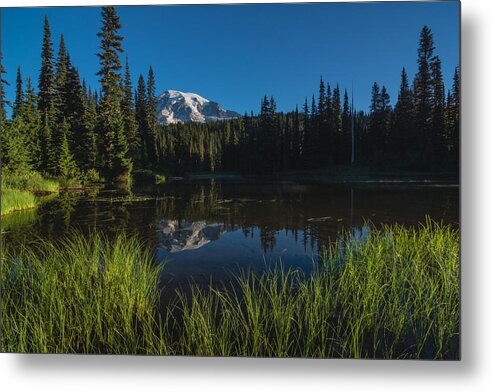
175,106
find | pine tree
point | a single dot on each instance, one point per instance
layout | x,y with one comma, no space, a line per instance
48,153
16,156
3,102
438,113
346,129
60,82
151,118
337,143
142,118
88,151
67,166
19,95
423,93
31,119
3,114
403,136
337,109
454,119
75,112
327,137
321,103
129,119
46,75
115,163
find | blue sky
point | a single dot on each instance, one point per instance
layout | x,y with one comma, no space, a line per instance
235,54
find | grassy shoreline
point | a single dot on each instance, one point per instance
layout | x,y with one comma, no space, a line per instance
16,200
394,294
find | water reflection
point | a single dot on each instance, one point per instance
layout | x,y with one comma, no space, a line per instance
178,236
203,229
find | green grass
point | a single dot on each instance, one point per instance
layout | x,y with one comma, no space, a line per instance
16,200
84,295
32,182
393,294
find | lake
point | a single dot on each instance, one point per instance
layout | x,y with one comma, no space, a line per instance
204,230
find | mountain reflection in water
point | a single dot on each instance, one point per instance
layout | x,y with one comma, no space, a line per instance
177,236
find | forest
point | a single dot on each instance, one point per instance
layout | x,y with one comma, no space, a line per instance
67,129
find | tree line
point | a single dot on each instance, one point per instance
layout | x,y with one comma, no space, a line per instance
421,132
67,129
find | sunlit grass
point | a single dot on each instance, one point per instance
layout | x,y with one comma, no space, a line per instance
86,295
32,182
392,293
16,200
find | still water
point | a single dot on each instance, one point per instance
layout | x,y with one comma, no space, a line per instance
205,230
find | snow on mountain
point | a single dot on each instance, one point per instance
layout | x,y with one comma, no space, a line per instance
175,106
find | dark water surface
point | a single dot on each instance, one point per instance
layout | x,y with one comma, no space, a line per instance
208,229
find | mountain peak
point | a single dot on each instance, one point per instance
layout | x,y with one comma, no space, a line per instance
176,106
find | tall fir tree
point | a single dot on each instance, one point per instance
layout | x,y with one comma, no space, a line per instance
60,81
454,119
142,118
116,164
3,83
151,118
67,167
88,140
438,114
75,107
129,119
403,138
19,94
346,129
15,153
46,75
31,119
423,94
48,154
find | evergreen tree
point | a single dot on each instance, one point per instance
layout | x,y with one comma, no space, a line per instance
15,154
454,119
48,153
67,166
403,136
3,102
115,163
438,113
423,93
60,82
336,134
46,75
321,103
75,112
3,114
31,120
19,95
88,142
129,119
337,109
142,118
346,129
151,118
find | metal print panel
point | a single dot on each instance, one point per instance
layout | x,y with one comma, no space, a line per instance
264,180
